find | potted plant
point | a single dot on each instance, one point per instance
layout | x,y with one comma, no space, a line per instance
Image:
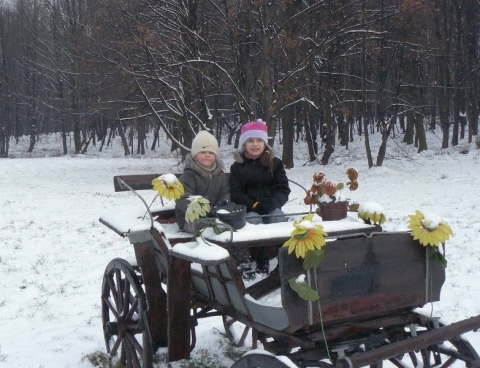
325,195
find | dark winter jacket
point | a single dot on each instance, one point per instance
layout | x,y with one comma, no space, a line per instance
251,182
213,185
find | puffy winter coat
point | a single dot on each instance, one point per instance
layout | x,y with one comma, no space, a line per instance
213,185
251,182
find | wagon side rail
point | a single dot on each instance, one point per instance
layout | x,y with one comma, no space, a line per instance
362,278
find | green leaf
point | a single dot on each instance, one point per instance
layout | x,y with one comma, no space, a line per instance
203,200
340,186
218,230
438,257
302,236
303,290
313,259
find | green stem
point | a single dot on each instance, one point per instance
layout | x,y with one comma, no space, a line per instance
161,199
320,314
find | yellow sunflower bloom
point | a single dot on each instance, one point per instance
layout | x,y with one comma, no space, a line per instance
429,229
199,207
168,186
371,213
305,236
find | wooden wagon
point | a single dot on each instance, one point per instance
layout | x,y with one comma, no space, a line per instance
370,284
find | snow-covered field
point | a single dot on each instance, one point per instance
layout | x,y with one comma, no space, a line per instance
53,250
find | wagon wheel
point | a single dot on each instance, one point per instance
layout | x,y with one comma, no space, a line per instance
124,320
260,361
452,351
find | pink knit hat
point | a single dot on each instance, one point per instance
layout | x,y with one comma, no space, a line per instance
254,129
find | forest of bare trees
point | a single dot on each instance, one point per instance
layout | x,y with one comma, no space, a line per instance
92,70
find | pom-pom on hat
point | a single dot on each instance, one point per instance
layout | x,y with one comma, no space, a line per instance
204,142
254,129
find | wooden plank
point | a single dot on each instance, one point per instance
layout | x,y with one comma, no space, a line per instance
362,278
178,290
156,297
136,182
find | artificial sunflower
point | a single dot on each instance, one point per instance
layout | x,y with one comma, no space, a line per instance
429,229
168,186
371,213
305,236
199,207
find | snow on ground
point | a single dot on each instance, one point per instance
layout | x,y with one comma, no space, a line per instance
53,250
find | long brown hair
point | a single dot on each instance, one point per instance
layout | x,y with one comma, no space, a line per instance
267,159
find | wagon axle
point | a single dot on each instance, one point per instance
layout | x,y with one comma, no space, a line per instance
111,328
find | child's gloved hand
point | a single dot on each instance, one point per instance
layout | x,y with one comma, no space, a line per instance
224,203
264,206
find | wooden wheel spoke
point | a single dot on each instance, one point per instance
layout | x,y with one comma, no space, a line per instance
126,297
113,289
397,363
131,345
449,362
135,344
110,306
116,345
117,288
123,353
133,308
452,353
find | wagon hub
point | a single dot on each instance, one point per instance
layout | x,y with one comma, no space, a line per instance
111,328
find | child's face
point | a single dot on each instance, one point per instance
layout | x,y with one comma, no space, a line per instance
254,147
206,159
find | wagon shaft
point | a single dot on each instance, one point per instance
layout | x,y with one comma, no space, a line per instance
424,340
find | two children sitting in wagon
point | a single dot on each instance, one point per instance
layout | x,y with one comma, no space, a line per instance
257,180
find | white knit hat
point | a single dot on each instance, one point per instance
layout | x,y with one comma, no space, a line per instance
254,129
204,142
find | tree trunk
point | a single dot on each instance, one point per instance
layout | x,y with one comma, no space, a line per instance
288,135
310,134
123,138
329,133
342,129
420,133
408,138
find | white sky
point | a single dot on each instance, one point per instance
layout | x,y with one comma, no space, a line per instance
53,250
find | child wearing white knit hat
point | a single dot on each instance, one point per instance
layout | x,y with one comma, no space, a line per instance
203,175
204,142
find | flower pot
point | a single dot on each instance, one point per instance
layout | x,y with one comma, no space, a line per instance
332,211
232,214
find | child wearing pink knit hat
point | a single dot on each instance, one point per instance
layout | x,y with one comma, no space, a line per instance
254,129
258,180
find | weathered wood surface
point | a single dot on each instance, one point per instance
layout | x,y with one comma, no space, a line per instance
156,297
414,343
361,278
136,182
179,305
